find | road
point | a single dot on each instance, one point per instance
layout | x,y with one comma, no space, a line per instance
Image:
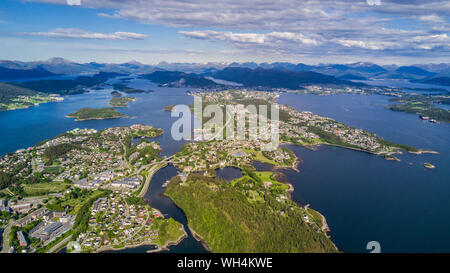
5,244
60,244
151,172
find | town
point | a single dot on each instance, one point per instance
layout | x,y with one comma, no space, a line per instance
51,193
306,128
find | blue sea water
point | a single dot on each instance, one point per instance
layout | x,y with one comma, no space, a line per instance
406,208
364,197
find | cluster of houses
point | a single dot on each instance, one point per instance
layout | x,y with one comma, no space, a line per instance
216,154
18,163
127,183
18,207
97,180
357,137
88,184
120,220
78,131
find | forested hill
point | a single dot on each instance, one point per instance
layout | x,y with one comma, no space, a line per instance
10,91
259,77
236,218
69,86
276,78
9,74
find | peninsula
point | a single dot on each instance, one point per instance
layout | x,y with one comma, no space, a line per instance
14,97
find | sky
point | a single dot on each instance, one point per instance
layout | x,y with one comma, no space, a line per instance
201,31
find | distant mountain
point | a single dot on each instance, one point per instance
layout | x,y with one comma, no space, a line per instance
233,76
438,81
69,86
10,74
366,67
414,70
67,67
275,78
351,71
283,66
437,68
179,79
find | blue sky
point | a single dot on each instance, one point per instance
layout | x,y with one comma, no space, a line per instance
151,31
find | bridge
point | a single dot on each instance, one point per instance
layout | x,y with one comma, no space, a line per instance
154,167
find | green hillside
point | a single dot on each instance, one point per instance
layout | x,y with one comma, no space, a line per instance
229,218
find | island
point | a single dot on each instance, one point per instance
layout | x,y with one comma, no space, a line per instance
121,102
168,108
428,165
116,94
129,90
95,113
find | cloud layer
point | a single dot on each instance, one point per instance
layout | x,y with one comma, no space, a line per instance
315,27
76,33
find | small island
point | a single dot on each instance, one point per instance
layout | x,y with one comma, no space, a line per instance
169,108
121,101
96,113
129,90
116,94
428,165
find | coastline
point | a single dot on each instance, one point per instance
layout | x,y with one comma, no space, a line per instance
194,234
294,165
29,106
146,243
385,156
325,228
200,239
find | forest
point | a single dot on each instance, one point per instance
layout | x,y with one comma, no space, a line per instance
228,221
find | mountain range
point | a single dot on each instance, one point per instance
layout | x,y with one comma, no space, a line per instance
250,72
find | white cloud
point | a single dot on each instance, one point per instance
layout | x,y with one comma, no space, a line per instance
373,2
73,2
432,18
76,33
373,45
252,38
313,28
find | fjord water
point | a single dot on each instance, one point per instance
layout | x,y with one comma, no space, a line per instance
25,127
406,208
364,197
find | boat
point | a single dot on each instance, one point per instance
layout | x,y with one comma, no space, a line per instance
165,184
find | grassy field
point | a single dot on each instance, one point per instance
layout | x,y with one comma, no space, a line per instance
44,188
258,156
